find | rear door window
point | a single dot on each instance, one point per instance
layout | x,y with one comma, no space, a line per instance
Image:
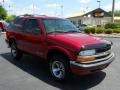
17,24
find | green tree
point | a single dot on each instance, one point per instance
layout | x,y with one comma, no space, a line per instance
110,12
117,13
3,13
10,18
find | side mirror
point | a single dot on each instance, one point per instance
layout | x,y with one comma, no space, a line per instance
37,31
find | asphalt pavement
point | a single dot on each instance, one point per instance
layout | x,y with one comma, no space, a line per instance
31,74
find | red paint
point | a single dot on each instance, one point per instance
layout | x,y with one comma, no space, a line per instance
68,43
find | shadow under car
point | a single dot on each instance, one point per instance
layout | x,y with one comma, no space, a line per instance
36,68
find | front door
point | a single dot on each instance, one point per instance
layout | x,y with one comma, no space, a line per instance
33,41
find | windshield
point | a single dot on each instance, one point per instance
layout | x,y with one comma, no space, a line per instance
59,26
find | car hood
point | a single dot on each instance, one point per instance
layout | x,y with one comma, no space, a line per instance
76,40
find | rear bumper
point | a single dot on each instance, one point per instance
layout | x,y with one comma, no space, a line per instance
87,68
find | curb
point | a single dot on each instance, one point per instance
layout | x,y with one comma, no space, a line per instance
107,36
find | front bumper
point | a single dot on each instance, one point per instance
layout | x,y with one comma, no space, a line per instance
87,68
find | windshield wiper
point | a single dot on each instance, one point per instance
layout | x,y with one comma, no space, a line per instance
64,32
74,31
56,32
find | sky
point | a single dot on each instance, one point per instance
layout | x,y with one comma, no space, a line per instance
61,8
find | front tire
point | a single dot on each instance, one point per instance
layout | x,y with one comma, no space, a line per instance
59,68
15,53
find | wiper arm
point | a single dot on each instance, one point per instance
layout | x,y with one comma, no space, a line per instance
75,31
64,31
57,32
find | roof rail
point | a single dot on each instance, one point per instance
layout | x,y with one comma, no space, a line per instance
32,15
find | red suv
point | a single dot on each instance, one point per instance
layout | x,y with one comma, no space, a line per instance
58,42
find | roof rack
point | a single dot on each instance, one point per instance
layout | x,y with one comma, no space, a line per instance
32,15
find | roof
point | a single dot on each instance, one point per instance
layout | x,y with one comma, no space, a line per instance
78,14
98,10
89,12
37,16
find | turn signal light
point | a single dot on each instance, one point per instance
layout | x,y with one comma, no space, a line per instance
83,60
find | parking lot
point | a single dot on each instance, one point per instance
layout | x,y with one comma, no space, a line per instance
31,74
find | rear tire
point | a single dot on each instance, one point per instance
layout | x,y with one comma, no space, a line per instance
15,53
59,68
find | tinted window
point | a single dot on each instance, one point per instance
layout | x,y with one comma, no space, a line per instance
32,26
59,26
16,24
16,20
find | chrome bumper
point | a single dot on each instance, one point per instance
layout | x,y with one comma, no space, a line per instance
99,62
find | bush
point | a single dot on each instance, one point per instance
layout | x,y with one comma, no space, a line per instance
99,30
118,25
10,18
89,30
108,31
116,30
111,25
92,29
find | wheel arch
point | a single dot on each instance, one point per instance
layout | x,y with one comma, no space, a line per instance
58,51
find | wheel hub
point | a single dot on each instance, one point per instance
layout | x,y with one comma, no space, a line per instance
14,52
58,69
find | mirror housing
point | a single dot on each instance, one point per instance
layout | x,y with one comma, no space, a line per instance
37,31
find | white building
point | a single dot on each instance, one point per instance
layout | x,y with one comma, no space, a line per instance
97,17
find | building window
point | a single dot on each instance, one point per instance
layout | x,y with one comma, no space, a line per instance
74,22
79,22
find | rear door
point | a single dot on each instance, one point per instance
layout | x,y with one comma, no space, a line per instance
16,30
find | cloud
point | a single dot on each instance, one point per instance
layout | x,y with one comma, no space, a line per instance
109,6
6,1
31,9
54,9
80,12
84,1
53,5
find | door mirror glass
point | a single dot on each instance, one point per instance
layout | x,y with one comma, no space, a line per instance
37,31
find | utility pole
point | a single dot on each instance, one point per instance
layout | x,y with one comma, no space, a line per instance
3,2
113,10
61,10
33,8
99,3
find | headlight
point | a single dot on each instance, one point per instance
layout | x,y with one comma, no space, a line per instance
87,53
82,58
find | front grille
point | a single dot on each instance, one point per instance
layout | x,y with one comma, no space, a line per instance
103,49
99,57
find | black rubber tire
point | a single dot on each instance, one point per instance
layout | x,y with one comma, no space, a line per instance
18,54
66,65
